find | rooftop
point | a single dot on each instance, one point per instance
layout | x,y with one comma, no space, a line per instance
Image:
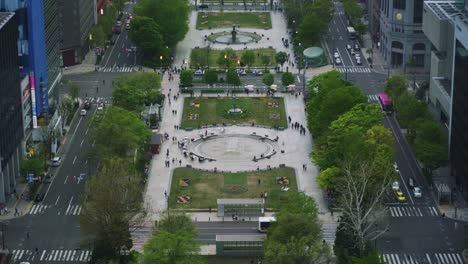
447,9
5,17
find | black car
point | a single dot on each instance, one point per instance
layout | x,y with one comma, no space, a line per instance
185,85
87,105
203,6
39,197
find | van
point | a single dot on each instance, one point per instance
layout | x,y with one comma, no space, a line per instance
411,183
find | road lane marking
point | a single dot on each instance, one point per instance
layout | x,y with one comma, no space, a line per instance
81,144
118,55
42,255
74,160
126,36
428,258
56,201
66,178
86,133
94,142
69,205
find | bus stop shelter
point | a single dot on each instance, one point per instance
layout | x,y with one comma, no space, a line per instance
241,207
239,245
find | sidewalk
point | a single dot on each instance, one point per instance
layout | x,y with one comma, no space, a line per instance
16,207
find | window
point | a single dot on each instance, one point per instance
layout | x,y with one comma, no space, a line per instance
399,4
397,45
417,12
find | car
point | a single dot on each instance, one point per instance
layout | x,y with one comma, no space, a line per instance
241,72
352,52
127,26
411,182
56,161
87,105
82,112
348,47
336,55
358,61
118,23
337,61
127,21
356,46
257,73
395,166
117,30
198,73
39,197
400,196
100,107
417,192
129,16
185,85
395,186
357,55
203,6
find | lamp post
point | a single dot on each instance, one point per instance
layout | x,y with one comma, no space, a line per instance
238,64
226,61
160,60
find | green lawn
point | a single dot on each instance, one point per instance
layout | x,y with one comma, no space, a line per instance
228,260
264,111
206,187
199,56
207,20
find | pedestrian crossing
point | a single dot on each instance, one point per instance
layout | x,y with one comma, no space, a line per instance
98,100
141,234
58,256
353,69
117,69
38,209
411,211
329,231
372,98
428,258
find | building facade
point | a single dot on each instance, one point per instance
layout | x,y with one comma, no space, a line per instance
402,42
11,123
76,20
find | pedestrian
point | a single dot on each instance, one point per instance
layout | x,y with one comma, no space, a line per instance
27,235
173,160
16,211
180,162
289,119
165,194
37,250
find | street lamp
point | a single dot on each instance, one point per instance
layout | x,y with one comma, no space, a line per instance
238,63
160,59
226,61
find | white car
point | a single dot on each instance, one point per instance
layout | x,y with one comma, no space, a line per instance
357,56
417,192
352,52
336,55
100,107
82,112
348,47
358,61
395,165
338,61
56,161
198,73
395,186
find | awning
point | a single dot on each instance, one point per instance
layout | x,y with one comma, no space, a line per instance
274,87
250,87
292,87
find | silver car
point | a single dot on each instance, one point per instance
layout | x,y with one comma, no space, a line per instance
417,192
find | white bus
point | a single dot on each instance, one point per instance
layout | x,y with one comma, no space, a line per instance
351,33
264,223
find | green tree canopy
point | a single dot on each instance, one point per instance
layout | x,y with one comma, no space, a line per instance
146,34
119,133
296,236
211,77
287,78
268,79
98,38
281,57
232,77
170,15
396,85
135,91
248,58
312,29
410,110
74,91
227,57
265,60
327,178
430,145
186,77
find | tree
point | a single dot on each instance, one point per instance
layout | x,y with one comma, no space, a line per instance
287,78
268,79
174,242
186,77
74,91
396,85
132,134
430,145
171,16
248,58
409,110
112,206
324,9
265,60
312,29
146,34
327,178
135,91
296,236
371,258
98,37
32,165
232,77
226,58
281,57
211,77
119,4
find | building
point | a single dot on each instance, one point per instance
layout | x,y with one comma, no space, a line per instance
373,8
446,26
402,42
11,121
76,19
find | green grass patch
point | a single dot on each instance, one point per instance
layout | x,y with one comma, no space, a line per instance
206,186
264,111
199,56
207,20
228,260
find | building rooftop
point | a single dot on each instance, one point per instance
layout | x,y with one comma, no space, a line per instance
5,17
446,9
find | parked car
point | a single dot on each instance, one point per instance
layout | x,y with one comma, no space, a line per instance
241,72
82,112
257,73
39,197
395,186
203,6
183,85
400,196
356,46
198,73
417,192
352,52
56,161
100,107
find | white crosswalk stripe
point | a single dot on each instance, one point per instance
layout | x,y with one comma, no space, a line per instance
353,69
427,258
97,100
329,231
411,211
117,69
58,256
38,209
73,210
371,98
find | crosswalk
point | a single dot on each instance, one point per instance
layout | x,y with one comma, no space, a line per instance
105,100
329,231
353,69
38,209
372,98
58,256
141,234
117,69
428,258
412,211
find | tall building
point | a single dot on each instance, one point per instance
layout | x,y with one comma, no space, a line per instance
76,19
401,39
11,121
446,26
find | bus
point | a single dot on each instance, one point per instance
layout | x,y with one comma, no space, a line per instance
385,103
264,223
351,33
